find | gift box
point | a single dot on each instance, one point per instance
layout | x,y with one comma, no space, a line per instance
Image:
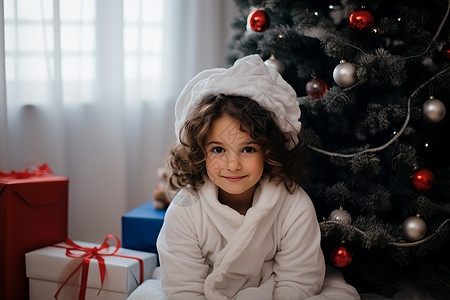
141,227
33,214
50,269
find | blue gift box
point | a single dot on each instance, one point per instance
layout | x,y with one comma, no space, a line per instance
141,226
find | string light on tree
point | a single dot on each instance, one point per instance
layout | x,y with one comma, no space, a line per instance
422,180
414,228
316,87
275,63
433,110
258,20
334,4
344,74
361,19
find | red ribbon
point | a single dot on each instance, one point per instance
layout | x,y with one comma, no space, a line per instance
28,172
96,253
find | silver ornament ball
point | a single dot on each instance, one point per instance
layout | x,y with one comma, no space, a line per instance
345,74
414,228
341,216
276,64
433,110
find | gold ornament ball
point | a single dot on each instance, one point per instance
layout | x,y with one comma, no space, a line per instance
344,74
276,64
414,228
433,110
341,216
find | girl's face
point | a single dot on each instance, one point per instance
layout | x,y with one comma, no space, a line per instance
234,162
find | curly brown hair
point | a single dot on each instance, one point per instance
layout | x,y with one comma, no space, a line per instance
187,158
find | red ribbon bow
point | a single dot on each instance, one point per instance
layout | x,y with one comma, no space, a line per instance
90,253
28,172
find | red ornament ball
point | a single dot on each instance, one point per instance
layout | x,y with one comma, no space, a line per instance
340,257
361,19
446,51
422,180
258,20
316,88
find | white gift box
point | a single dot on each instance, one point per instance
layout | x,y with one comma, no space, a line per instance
47,267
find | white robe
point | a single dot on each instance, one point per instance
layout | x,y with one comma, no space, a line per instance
208,250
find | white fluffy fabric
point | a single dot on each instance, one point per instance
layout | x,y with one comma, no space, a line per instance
249,77
334,288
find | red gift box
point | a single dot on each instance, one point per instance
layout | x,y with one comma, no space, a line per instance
33,214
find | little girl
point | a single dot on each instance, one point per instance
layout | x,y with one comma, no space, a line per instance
240,227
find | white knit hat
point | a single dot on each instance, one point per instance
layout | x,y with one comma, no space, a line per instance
248,77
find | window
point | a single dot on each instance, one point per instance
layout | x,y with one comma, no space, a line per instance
143,48
29,47
58,48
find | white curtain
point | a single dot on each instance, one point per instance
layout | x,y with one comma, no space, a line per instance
88,87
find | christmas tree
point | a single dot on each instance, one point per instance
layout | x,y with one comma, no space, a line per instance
372,79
